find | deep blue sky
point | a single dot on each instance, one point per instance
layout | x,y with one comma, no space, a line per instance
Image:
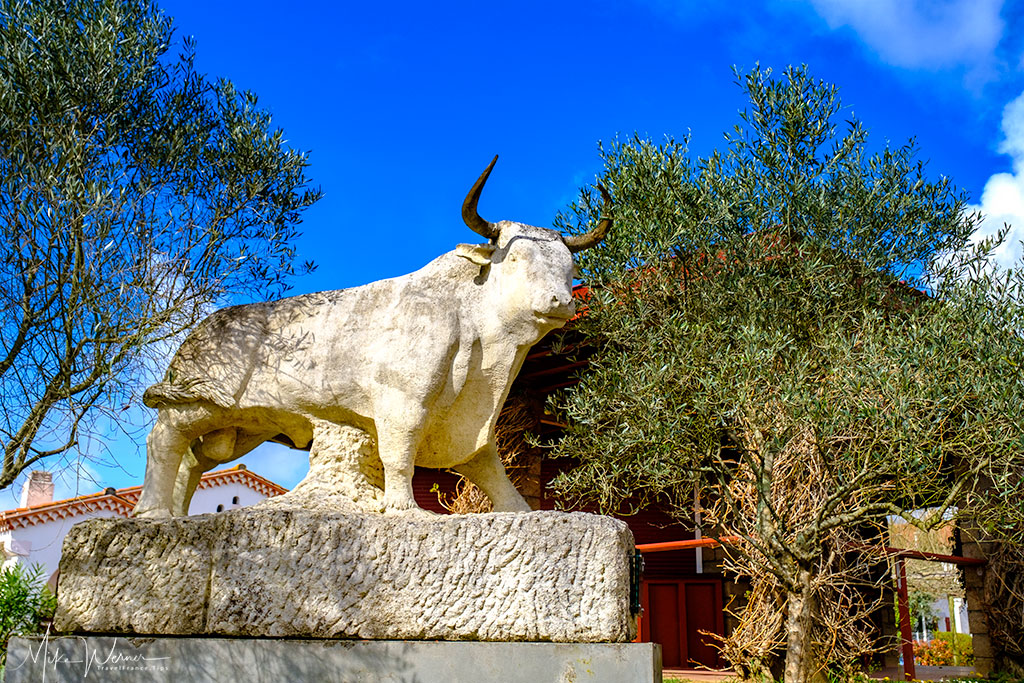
403,104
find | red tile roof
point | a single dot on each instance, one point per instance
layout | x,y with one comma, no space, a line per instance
121,501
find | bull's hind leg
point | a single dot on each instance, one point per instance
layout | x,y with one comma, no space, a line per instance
209,451
205,453
487,472
191,470
165,447
175,429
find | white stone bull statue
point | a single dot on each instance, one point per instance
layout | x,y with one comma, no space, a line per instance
421,362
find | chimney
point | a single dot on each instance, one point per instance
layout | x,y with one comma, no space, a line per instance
38,489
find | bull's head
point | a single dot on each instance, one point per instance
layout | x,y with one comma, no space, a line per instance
533,266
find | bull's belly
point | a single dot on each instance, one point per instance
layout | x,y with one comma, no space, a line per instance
437,449
452,435
441,459
348,404
450,445
251,421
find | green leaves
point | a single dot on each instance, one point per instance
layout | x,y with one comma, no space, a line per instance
751,302
25,603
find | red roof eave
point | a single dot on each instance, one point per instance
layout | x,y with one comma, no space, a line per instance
122,501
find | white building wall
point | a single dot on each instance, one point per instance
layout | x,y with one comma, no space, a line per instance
940,608
958,621
207,500
41,543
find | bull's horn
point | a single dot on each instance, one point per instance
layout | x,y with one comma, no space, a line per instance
589,239
469,214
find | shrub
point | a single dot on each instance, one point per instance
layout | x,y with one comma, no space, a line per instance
947,649
962,646
26,604
933,652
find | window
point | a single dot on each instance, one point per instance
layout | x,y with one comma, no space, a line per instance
234,501
220,508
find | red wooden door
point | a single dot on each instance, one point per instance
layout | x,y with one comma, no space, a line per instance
666,614
703,614
675,613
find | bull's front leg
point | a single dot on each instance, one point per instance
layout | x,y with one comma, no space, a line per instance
486,471
398,439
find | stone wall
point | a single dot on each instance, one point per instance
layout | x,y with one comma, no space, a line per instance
539,576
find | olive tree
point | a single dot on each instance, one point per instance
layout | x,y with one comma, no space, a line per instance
799,328
134,193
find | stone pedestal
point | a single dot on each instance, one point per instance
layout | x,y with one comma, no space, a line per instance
540,576
248,660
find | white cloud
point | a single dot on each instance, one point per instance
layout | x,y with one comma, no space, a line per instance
1002,200
1013,129
918,34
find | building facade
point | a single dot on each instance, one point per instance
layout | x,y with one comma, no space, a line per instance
33,533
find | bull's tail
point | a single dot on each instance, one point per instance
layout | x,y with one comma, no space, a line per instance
172,393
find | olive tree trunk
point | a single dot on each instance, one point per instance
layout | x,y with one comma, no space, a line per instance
801,607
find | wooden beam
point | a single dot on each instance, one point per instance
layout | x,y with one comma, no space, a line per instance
685,545
903,601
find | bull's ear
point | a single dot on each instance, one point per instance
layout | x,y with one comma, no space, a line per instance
480,254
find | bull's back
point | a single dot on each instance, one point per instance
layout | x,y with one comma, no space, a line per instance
327,354
264,354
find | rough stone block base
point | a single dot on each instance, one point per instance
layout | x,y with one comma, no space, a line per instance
537,576
249,660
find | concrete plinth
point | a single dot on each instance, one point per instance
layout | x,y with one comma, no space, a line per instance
538,576
250,660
